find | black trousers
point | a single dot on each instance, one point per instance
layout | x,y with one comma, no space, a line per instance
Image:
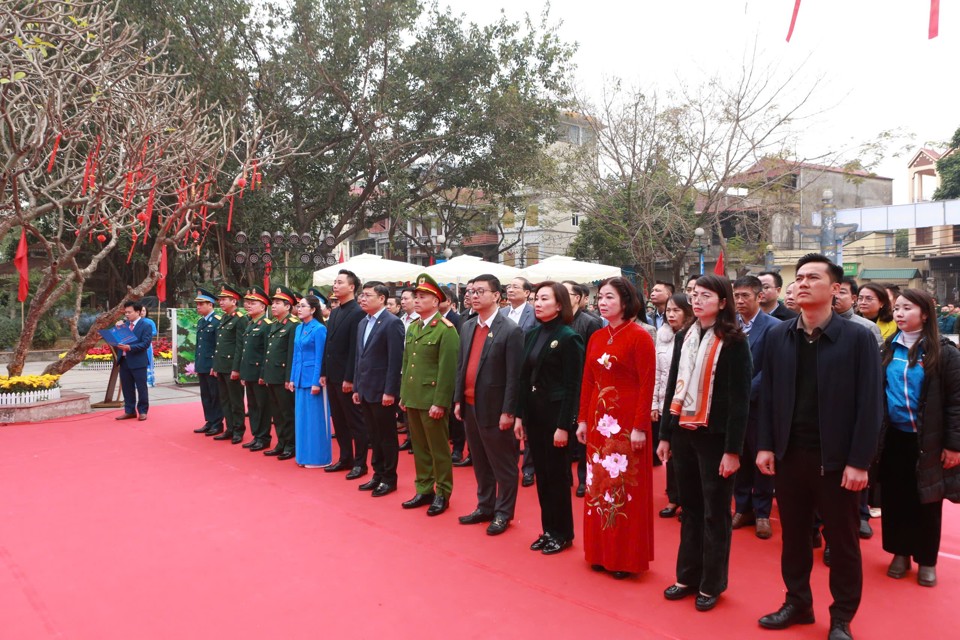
703,559
210,400
458,436
384,446
552,466
910,528
752,491
352,436
259,406
802,489
494,464
281,406
133,382
230,393
673,493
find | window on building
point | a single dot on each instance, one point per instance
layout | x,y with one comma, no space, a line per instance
575,220
533,216
532,254
509,259
509,219
925,235
574,134
956,234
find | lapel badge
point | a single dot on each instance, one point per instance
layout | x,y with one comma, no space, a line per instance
553,345
489,336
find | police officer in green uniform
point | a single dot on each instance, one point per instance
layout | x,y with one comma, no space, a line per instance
203,363
426,390
251,351
278,358
226,362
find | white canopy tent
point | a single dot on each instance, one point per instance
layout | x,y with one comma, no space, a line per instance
558,268
464,268
369,267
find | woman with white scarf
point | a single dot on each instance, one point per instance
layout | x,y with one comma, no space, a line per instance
709,394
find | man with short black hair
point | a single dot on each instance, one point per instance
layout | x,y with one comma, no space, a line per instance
691,284
133,364
770,297
843,305
659,296
818,434
408,313
336,373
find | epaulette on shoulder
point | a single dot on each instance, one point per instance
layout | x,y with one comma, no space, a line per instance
218,316
294,319
241,313
268,321
446,322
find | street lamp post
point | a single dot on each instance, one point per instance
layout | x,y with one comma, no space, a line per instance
699,232
828,234
768,264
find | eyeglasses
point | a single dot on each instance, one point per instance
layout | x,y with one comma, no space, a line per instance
477,292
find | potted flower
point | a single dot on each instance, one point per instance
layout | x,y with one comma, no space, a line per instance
28,389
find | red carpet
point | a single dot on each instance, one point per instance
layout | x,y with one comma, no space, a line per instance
146,530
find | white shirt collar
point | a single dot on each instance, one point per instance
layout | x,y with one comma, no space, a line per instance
485,322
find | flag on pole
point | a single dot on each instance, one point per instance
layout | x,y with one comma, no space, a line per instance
162,282
719,268
20,262
342,257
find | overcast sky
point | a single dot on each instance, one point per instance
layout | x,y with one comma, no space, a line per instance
879,69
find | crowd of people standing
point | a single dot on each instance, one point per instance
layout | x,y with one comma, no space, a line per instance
743,399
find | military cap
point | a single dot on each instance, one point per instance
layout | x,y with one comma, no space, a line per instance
205,296
229,291
285,294
425,282
258,294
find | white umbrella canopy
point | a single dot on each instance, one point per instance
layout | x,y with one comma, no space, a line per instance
369,267
464,268
559,268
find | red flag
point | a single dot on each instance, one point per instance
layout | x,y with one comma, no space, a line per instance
266,277
162,282
20,262
934,19
719,268
342,258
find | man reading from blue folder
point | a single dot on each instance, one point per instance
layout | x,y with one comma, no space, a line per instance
133,364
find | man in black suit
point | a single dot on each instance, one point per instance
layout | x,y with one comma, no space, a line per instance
458,438
133,364
376,384
770,296
491,347
336,373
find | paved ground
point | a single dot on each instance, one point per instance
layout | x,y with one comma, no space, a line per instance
94,383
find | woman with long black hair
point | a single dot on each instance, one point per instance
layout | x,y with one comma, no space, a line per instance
703,431
921,441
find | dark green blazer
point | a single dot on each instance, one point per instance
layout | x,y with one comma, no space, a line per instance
557,372
226,356
278,351
252,348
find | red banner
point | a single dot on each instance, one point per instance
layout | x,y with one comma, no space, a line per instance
162,282
20,262
720,268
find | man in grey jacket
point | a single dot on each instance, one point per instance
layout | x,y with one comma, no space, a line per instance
843,305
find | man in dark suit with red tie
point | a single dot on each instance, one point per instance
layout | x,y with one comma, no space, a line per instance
133,364
376,384
491,348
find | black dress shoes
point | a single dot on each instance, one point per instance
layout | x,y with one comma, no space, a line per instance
476,517
705,603
466,462
676,592
383,489
787,616
527,479
554,546
127,416
357,472
439,505
419,500
226,435
339,465
826,555
406,445
669,512
499,525
214,431
839,630
248,445
202,429
287,454
370,485
260,445
866,531
581,490
621,575
540,542
456,456
277,450
236,439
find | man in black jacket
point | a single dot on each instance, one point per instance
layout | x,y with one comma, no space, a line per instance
821,407
336,373
770,296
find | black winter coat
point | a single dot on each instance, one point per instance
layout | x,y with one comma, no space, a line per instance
938,428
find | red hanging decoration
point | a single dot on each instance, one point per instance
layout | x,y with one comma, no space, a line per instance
53,154
133,245
793,20
934,19
101,238
149,211
230,214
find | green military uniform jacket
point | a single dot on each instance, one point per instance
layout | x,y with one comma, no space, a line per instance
251,349
229,337
429,364
278,353
206,343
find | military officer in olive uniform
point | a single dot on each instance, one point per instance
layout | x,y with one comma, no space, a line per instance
251,354
203,363
278,358
226,366
426,390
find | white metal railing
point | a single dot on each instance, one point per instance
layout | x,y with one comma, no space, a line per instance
28,397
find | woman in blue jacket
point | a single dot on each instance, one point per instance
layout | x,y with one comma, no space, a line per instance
921,444
311,418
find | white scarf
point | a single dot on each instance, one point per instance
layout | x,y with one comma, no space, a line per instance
696,371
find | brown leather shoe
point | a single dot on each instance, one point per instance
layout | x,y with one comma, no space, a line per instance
764,530
142,417
741,520
126,416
